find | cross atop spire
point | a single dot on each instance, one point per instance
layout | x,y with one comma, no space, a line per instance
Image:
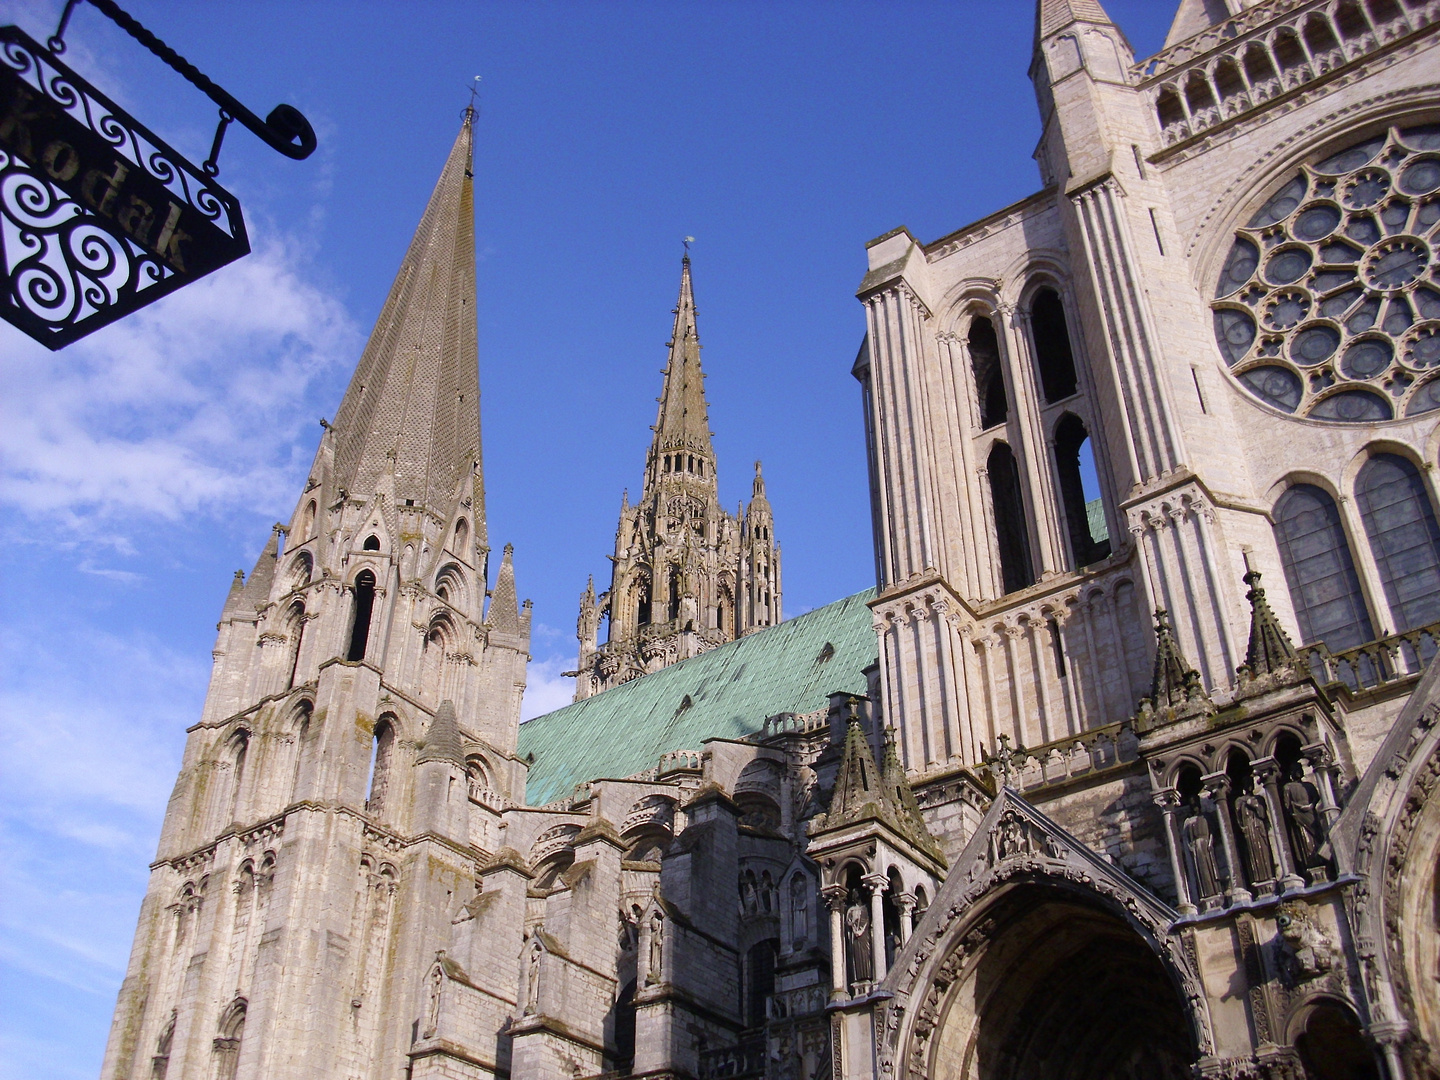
413,404
684,420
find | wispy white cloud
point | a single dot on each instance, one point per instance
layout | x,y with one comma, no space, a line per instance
546,689
194,404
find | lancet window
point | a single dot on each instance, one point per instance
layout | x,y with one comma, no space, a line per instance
1051,338
227,1041
1011,535
1404,539
1080,491
382,752
988,373
360,619
1319,570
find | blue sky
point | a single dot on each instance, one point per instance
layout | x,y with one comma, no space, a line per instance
141,467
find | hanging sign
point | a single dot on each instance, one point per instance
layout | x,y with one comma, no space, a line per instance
98,216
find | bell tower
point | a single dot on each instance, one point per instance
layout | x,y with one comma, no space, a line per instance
320,825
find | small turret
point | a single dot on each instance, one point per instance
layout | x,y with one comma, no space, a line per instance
441,801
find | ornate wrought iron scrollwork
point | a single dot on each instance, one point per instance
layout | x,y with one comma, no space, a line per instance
98,216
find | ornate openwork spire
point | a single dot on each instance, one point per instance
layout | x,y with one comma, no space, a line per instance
416,391
442,741
684,419
1270,649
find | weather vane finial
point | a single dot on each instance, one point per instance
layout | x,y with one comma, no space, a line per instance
688,241
474,93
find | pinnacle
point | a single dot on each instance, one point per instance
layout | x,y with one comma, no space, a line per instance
504,613
684,416
413,404
1270,648
442,741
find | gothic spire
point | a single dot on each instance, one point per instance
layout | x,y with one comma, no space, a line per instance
504,613
684,419
1173,681
415,395
1270,649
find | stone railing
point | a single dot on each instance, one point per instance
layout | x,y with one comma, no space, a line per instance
680,761
1376,663
1068,758
486,797
789,723
1267,51
744,1059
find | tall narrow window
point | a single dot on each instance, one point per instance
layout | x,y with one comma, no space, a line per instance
462,536
307,522
1080,492
1052,346
364,605
642,610
1011,536
674,594
989,379
239,750
295,632
759,980
227,1042
1403,537
382,748
1319,570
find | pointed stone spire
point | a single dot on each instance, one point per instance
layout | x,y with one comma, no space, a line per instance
504,613
858,790
757,491
442,741
892,775
1173,681
1270,649
684,419
1054,15
413,404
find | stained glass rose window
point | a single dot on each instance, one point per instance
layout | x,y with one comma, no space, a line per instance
1328,305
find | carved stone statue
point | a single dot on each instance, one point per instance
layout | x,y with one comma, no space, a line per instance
1307,827
857,938
432,1008
657,949
532,979
1201,845
1254,825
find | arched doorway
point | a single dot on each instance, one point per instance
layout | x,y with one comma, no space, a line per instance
1332,1046
1056,987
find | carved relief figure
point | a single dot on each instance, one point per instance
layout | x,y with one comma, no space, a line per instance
432,1006
657,948
857,938
532,978
1201,845
1254,826
1307,828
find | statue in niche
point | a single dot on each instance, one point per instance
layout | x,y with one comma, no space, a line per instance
1307,827
1201,845
1253,821
657,949
432,1008
532,978
857,939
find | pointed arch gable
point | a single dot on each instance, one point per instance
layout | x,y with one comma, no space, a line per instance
1017,848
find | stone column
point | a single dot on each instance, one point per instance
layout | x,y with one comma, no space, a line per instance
1217,786
878,884
906,903
1168,800
1268,771
1324,766
835,901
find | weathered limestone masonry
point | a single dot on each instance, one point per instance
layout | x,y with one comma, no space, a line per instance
686,575
1138,777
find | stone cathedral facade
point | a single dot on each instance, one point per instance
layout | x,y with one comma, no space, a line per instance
1127,766
686,575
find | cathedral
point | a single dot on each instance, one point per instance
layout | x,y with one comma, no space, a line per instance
1126,766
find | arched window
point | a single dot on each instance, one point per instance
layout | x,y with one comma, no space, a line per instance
1288,50
642,609
1011,536
989,378
1349,21
360,620
1403,538
1080,492
1257,64
239,750
372,543
1168,106
624,1028
1197,93
227,1041
1052,346
1318,35
300,724
382,748
462,536
295,634
674,593
1319,570
1384,10
307,522
1227,80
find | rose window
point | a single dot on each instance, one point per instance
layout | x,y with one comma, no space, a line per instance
1329,302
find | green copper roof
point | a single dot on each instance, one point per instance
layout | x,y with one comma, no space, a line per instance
730,691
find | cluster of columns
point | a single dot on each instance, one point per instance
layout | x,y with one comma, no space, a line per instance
1230,885
837,899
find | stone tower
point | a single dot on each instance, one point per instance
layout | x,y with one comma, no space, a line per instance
687,575
320,829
